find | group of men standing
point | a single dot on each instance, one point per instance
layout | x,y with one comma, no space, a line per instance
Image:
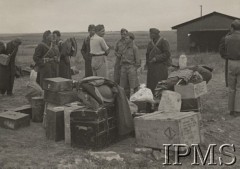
52,56
95,50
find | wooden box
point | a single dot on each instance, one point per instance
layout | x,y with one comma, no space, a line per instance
26,109
88,114
4,59
191,91
14,120
154,130
55,123
37,109
57,84
67,129
192,105
60,98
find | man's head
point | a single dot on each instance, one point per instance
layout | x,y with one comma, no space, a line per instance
56,35
236,25
47,36
154,33
17,42
124,33
100,30
91,29
130,37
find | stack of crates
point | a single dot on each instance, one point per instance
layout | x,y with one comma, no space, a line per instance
57,93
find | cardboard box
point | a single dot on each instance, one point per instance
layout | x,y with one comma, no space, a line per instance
191,91
14,120
57,84
154,130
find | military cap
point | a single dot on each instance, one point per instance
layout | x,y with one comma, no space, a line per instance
123,30
17,41
91,27
99,28
154,31
236,24
131,35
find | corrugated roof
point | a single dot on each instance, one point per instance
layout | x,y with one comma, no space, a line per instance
203,17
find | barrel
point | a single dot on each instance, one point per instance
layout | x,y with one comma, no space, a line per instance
37,109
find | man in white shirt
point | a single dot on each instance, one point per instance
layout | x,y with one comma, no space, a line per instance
99,50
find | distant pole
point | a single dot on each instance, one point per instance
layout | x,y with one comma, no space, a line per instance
201,10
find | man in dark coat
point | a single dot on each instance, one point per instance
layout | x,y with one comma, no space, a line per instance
86,51
7,74
157,59
46,57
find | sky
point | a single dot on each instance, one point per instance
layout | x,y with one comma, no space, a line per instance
36,16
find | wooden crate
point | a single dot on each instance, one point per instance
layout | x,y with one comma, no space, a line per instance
154,130
57,84
191,91
14,120
55,123
26,109
60,98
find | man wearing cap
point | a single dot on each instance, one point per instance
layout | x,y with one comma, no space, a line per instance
120,47
157,59
232,53
46,57
86,51
7,75
99,50
130,62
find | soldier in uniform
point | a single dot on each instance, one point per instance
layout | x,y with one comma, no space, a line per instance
46,57
230,50
86,51
7,73
157,60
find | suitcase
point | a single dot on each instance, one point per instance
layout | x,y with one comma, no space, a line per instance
26,109
57,84
60,98
55,123
14,120
37,109
88,114
94,135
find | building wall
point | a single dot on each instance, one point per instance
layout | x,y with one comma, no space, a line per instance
211,22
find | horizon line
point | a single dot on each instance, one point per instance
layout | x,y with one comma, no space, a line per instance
76,32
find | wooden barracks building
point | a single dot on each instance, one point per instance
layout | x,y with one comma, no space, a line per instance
203,34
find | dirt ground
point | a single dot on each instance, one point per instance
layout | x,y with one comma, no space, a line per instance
29,148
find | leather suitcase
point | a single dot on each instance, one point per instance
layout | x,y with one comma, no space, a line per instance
14,120
94,135
88,114
26,109
60,98
57,84
55,123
